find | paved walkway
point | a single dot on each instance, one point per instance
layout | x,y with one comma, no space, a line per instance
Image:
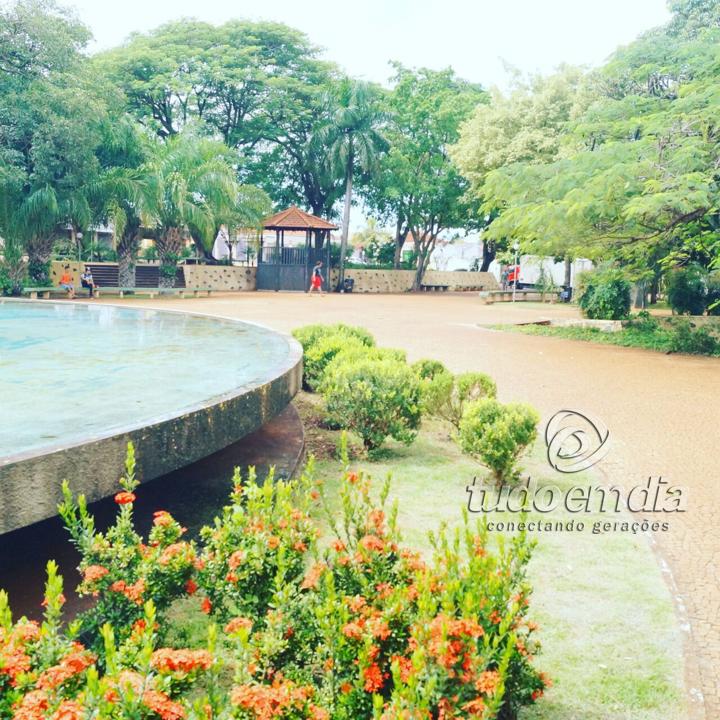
663,413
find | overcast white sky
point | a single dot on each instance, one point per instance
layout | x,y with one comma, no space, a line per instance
472,36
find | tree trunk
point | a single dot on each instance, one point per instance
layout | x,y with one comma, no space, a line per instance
424,252
126,266
346,220
400,237
568,271
489,251
39,251
169,245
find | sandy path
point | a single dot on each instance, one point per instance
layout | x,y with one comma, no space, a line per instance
663,412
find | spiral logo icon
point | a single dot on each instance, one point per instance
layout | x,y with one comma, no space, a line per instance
575,441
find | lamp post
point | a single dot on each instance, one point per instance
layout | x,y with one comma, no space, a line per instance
516,247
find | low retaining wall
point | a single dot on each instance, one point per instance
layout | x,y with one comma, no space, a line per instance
220,277
399,281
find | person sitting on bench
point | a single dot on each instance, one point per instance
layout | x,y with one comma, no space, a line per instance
87,281
66,282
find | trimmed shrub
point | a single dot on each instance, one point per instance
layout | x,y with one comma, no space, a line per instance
319,355
309,335
498,434
355,353
643,321
605,295
686,338
427,369
686,290
712,300
374,398
446,395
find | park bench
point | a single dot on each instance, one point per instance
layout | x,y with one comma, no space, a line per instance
152,292
45,292
490,296
434,288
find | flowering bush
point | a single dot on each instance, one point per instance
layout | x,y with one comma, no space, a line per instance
356,627
119,569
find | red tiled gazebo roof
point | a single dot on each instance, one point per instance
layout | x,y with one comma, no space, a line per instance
296,219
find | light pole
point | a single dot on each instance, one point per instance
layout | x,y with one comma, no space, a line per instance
516,247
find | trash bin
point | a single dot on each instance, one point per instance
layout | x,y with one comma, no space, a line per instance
566,294
348,285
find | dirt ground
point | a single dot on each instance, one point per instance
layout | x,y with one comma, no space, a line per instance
662,411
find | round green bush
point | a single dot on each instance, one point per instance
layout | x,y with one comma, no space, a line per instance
605,295
355,352
427,369
374,398
309,335
446,395
686,290
497,434
321,353
695,341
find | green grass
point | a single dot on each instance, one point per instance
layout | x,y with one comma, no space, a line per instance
660,340
610,638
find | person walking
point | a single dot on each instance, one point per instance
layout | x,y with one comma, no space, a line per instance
317,278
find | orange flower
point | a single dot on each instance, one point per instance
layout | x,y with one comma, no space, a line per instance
68,710
124,498
191,587
379,628
273,542
537,694
14,662
238,623
231,577
352,477
338,545
487,682
374,678
357,603
300,546
206,605
32,706
174,550
94,572
72,664
372,543
162,518
312,576
352,630
376,519
162,705
475,707
345,688
132,592
184,661
495,617
405,666
236,559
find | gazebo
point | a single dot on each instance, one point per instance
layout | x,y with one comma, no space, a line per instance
282,267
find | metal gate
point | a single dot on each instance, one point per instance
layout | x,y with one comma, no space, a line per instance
290,268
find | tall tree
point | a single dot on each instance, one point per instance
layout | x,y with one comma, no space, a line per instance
417,186
47,137
353,143
190,189
528,125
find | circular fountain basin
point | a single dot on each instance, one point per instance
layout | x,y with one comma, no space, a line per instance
78,382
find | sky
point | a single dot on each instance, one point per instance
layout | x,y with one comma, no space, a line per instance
475,37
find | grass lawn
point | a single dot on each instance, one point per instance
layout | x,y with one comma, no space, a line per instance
659,340
610,638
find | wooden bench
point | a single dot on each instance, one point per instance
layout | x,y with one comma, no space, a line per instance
45,292
434,288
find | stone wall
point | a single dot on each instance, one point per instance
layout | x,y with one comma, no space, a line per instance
399,281
220,277
57,268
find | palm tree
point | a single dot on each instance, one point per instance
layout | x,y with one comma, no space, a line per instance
352,142
190,187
